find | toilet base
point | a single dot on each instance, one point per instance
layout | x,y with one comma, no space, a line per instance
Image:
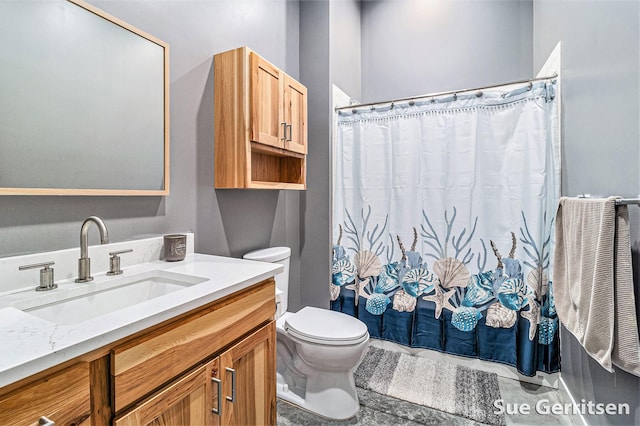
318,377
331,395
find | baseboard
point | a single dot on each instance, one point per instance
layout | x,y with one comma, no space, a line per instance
569,398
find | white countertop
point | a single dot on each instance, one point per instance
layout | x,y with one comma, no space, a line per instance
30,344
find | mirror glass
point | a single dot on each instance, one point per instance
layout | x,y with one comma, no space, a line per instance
83,102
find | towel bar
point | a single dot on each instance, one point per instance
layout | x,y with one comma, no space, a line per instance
627,201
619,202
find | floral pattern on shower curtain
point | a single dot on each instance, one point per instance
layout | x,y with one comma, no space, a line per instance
470,185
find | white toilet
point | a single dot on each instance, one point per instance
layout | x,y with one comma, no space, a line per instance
317,350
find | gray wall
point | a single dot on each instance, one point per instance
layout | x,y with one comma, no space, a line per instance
601,145
346,47
315,205
329,54
413,47
226,222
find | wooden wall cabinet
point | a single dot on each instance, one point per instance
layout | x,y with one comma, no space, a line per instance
215,365
260,116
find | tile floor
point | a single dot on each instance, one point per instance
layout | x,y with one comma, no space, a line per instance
380,410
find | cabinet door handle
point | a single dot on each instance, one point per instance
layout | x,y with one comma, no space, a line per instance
284,131
218,410
44,421
232,398
290,126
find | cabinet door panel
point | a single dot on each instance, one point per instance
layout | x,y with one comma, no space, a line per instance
184,402
253,360
295,105
266,103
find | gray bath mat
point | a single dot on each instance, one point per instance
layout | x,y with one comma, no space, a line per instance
446,387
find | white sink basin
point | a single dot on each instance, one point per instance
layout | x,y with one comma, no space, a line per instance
75,305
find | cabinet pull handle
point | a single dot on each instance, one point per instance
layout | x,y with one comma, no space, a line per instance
290,126
284,131
44,421
218,382
232,398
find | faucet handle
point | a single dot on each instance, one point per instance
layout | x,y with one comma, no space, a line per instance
114,261
46,275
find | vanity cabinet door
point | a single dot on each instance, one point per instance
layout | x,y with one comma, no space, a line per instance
189,400
145,363
295,115
267,125
246,376
248,371
63,398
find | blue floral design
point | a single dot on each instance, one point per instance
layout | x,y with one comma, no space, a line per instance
414,260
549,306
512,293
377,303
518,288
465,318
386,282
512,268
342,272
547,330
479,290
393,270
418,281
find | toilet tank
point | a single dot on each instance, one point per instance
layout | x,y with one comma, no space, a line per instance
279,255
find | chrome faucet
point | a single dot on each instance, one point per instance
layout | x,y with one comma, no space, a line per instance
84,263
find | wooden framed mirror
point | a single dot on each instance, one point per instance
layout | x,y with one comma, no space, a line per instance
84,102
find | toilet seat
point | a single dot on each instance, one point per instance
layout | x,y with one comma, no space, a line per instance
325,327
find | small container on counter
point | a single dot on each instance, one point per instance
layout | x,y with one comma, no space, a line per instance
175,247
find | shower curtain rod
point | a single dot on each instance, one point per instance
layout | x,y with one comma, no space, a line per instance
452,92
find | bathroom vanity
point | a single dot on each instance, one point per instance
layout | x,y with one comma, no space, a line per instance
200,353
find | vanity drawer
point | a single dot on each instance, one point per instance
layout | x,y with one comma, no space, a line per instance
143,364
62,397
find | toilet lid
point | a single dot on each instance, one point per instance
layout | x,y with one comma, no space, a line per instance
326,327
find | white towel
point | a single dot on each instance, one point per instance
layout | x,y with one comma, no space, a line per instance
593,280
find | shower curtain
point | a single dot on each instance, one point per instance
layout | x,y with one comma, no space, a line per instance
443,216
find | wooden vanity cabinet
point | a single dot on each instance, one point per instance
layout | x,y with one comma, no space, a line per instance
260,116
232,341
243,377
62,397
165,375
